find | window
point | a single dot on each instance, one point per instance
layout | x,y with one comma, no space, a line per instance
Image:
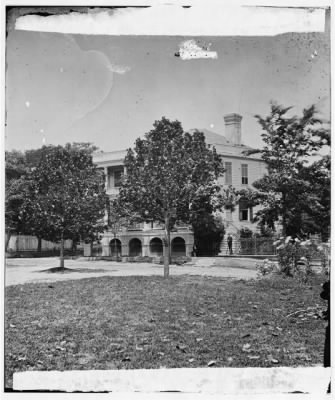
228,173
114,177
117,178
245,211
244,171
244,214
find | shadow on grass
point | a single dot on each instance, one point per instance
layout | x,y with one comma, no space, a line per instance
60,270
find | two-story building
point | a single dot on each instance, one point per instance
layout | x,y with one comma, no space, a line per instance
145,239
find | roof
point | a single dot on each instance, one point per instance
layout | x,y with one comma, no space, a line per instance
102,157
222,145
212,137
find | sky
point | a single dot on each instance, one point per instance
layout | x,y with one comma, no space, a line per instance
109,89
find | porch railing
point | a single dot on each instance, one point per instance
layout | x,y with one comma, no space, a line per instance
256,246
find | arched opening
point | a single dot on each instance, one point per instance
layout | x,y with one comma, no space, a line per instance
156,247
115,248
135,248
178,247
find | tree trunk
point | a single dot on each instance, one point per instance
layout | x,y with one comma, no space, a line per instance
166,247
39,245
61,256
169,244
9,235
74,247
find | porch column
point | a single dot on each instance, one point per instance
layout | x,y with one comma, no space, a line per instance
105,247
106,177
189,243
145,246
125,249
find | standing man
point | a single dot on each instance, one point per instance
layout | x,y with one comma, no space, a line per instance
230,244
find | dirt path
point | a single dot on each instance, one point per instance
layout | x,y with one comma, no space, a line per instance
27,270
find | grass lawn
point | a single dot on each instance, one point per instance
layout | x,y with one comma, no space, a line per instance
149,322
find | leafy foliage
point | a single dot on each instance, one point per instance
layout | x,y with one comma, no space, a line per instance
18,166
14,196
230,197
265,267
15,185
291,192
208,231
15,164
315,213
294,256
245,233
65,197
169,170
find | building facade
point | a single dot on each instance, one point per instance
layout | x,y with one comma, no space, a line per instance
145,239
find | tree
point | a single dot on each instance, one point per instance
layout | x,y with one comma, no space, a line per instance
208,229
14,196
15,165
168,173
66,198
18,166
15,171
288,192
315,214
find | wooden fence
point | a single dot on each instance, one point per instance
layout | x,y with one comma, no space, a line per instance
26,243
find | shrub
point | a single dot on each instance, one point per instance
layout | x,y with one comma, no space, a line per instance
324,249
245,233
266,267
294,256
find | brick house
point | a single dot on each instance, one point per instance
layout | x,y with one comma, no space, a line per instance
145,239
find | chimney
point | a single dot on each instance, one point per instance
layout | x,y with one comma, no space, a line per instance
233,128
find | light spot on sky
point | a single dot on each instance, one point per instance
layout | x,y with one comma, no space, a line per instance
44,140
61,69
211,125
41,130
27,104
118,69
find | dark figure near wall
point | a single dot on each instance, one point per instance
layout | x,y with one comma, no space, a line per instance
230,244
325,295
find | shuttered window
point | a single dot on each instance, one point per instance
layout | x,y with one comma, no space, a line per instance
244,172
228,173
